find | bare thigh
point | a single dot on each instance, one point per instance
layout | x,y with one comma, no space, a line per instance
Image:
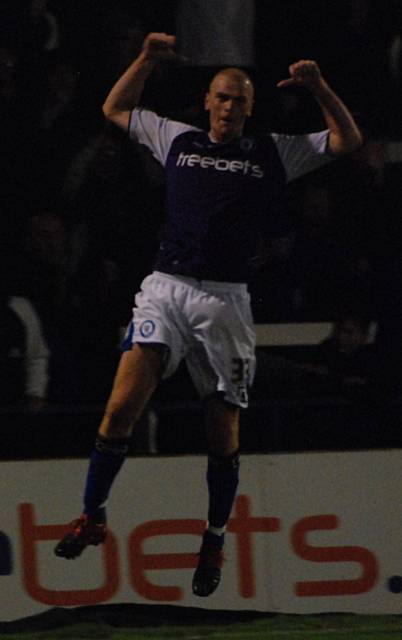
136,379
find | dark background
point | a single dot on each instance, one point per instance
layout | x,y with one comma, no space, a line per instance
81,209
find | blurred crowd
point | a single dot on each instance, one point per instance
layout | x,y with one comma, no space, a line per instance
82,206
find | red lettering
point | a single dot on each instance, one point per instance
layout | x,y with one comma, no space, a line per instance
140,563
32,533
243,525
359,555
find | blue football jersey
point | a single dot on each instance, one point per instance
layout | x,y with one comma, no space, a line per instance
223,199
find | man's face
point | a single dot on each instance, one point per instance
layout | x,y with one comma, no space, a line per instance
229,102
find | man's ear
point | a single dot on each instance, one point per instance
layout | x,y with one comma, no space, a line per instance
207,105
250,109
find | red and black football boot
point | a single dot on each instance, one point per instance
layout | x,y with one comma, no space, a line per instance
83,532
207,576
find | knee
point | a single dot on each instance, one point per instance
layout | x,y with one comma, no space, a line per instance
222,426
223,435
120,419
223,442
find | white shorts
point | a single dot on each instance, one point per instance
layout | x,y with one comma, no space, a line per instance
209,324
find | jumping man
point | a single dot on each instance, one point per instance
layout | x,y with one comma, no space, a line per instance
225,193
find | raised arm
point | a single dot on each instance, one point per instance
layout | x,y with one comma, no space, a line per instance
344,134
126,93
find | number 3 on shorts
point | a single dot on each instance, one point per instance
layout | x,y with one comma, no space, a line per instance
240,370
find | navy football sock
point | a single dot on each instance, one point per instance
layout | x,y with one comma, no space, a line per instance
213,540
222,479
105,462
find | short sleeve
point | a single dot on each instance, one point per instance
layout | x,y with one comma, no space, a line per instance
156,133
302,153
37,352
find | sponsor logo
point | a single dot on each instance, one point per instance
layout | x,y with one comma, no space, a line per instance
244,167
360,565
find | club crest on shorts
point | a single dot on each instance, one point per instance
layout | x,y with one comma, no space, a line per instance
147,328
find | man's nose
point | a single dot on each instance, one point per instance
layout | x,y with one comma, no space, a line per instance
229,104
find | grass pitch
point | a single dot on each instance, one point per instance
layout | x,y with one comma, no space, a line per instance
121,623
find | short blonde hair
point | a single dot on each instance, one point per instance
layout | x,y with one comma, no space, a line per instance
235,74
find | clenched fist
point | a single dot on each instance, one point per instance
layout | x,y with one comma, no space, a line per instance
159,46
304,73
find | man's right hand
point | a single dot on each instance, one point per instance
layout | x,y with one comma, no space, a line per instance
159,46
126,93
